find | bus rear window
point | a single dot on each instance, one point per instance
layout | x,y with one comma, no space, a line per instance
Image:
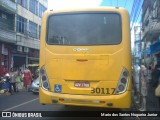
84,29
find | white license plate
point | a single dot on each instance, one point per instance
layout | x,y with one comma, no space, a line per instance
82,84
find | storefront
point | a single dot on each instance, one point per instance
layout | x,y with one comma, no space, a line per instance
33,56
18,58
155,51
5,55
158,58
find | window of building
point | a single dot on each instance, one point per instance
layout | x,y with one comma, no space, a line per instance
41,9
23,3
21,25
33,6
33,29
39,31
6,21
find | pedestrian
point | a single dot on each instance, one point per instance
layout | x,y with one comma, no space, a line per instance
156,81
2,71
18,80
149,77
1,82
27,78
143,78
12,80
7,76
136,82
155,76
37,72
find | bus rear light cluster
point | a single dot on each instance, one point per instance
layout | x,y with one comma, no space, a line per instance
121,87
42,71
44,79
125,73
123,82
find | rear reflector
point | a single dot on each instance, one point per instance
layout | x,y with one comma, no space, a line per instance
82,60
61,99
101,101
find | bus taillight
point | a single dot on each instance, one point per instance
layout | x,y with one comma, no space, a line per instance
44,79
123,82
125,73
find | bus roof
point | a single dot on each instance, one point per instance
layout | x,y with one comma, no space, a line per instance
100,8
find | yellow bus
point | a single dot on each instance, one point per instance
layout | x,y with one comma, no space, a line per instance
85,57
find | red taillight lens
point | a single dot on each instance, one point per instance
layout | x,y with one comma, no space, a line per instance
44,77
123,80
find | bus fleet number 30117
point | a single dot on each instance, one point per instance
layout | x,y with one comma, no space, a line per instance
98,90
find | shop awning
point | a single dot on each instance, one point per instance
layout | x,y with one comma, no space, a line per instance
155,47
148,51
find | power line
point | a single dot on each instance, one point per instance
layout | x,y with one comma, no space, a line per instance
125,3
136,16
133,9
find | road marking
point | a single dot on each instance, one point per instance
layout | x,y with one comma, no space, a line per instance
20,105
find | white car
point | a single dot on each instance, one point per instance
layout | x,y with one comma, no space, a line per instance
35,86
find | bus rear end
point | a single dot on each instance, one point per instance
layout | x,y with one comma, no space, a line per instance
85,58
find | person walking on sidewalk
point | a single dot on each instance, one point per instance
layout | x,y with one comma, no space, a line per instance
143,78
12,80
18,80
149,77
156,81
136,82
155,76
27,78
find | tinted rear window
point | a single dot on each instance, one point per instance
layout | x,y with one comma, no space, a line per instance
84,29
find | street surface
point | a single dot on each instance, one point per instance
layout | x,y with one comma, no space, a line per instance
27,101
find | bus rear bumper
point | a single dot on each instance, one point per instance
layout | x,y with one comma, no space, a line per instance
112,101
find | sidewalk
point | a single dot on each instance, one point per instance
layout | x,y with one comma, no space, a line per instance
151,101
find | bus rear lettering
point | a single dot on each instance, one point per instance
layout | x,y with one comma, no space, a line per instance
107,91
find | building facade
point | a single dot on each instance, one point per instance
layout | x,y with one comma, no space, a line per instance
8,11
137,45
151,31
22,20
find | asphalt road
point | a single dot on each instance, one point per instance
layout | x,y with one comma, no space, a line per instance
27,101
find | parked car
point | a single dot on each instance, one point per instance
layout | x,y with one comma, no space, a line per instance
35,86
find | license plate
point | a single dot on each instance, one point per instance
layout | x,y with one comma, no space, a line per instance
82,84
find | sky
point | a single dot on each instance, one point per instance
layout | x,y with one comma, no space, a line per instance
60,4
